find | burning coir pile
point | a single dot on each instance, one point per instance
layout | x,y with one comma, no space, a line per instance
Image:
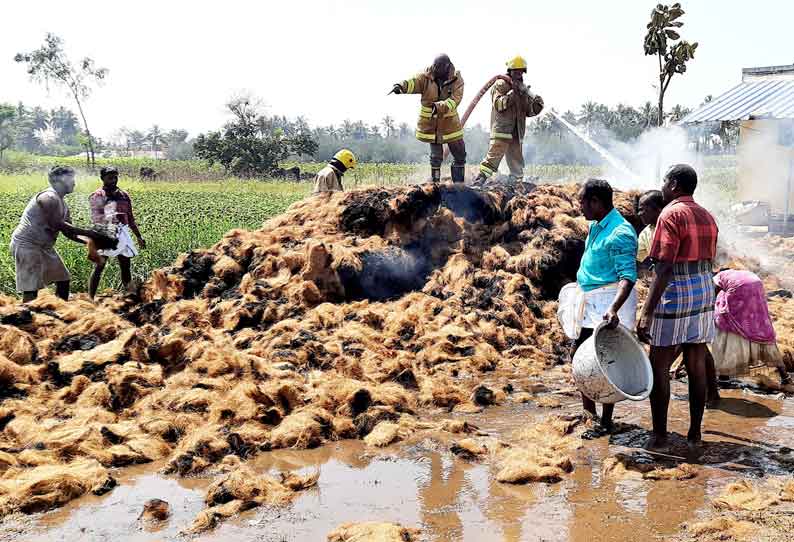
363,315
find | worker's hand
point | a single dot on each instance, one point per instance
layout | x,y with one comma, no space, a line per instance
397,88
643,328
611,318
141,242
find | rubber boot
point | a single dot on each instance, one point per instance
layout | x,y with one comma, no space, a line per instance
481,178
458,174
435,174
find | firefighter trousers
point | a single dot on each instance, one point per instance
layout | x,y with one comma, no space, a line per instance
457,149
504,148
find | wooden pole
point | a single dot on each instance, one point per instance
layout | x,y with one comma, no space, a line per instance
788,190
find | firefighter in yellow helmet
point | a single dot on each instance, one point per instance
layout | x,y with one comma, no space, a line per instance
441,87
511,104
329,179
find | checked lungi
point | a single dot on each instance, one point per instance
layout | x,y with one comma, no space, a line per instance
685,314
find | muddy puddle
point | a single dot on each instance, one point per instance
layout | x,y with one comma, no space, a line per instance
420,483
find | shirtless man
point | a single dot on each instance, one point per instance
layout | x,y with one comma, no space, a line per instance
33,241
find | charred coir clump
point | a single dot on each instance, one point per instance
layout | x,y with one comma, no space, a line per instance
475,206
385,274
366,214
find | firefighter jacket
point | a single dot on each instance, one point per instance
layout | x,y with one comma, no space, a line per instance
510,109
328,179
444,126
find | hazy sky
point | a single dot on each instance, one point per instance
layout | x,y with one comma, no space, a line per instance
175,63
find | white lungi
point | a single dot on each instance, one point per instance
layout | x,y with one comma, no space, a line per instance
578,309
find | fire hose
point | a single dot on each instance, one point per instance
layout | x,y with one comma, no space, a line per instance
486,87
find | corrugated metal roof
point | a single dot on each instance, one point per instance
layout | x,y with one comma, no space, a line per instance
769,97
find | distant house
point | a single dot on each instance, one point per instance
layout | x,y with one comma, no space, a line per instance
764,104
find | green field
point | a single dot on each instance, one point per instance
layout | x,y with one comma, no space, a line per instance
174,217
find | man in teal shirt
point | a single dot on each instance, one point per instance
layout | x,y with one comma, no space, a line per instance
607,272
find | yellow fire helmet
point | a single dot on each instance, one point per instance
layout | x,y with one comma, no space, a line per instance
517,63
347,157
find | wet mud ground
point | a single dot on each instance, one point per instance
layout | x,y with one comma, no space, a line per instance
419,483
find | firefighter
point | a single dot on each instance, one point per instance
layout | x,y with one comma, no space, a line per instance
329,179
441,87
511,104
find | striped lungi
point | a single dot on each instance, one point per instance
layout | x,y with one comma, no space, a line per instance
685,314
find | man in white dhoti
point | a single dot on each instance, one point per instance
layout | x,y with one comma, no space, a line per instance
606,275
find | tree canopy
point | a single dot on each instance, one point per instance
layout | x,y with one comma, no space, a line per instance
252,144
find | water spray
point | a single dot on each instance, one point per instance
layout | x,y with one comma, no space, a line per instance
606,155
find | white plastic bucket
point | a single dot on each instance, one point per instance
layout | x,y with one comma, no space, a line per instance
612,366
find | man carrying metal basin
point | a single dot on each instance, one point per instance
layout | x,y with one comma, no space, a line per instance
606,274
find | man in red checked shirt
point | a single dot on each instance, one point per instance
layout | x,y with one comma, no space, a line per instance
679,310
111,206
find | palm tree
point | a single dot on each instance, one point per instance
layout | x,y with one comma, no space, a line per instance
588,115
155,139
388,126
649,114
41,119
301,125
136,140
347,129
359,130
679,112
173,137
629,123
65,124
570,116
7,115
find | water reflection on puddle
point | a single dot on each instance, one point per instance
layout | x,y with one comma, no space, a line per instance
420,484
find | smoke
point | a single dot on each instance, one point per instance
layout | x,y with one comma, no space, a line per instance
386,274
650,156
760,156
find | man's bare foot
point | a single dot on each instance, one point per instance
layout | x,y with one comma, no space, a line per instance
656,443
694,442
599,429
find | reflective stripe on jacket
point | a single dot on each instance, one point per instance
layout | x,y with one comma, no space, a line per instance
510,109
444,126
